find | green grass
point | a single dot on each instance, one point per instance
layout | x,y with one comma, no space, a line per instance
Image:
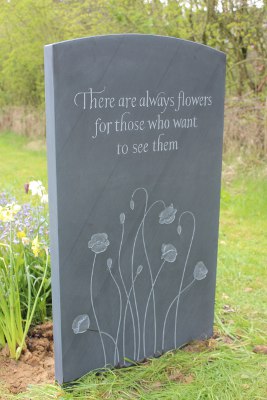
21,160
222,368
221,372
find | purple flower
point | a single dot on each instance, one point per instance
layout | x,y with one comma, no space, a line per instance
26,187
98,243
167,216
28,219
169,252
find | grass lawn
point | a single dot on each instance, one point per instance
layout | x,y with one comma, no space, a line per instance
21,160
232,364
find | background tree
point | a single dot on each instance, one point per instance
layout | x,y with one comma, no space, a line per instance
237,27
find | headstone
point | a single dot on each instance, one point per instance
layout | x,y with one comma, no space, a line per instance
134,134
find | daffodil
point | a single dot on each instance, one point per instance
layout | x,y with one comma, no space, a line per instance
25,241
21,234
37,188
36,246
44,198
8,212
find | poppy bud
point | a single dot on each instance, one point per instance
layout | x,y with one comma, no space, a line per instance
109,263
139,269
122,218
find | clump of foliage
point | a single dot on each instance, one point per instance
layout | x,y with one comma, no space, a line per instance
24,266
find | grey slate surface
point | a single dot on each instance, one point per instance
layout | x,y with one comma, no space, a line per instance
133,236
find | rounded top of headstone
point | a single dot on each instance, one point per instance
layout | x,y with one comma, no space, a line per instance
135,37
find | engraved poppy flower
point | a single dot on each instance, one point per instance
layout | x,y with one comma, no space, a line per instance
200,271
167,216
169,252
99,242
81,324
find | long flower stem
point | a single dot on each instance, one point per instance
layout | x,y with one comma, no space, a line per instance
12,294
183,275
126,293
114,342
142,225
92,302
16,328
5,320
132,269
170,306
188,286
150,271
150,293
118,329
29,320
125,312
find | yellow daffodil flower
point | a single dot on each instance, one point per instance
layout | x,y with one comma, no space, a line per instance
25,241
36,246
44,199
8,212
37,188
21,234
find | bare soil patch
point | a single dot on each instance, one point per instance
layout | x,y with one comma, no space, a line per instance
36,364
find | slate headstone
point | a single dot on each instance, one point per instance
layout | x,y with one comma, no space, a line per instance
134,135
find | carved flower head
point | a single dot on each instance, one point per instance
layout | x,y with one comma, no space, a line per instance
99,242
169,252
167,216
81,324
200,271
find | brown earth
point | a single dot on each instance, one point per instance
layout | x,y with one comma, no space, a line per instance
36,364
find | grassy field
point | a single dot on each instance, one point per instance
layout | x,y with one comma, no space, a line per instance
231,365
21,161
